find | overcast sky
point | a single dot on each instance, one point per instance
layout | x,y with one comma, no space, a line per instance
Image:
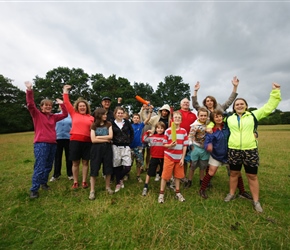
144,41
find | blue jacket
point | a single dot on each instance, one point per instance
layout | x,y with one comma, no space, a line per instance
63,128
219,141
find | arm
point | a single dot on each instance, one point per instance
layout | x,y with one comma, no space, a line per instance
30,99
184,149
101,138
195,103
146,121
233,95
66,100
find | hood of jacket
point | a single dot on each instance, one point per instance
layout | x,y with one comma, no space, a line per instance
165,106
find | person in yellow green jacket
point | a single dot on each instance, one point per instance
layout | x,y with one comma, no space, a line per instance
242,144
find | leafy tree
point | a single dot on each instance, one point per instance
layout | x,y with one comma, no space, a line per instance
51,86
145,91
171,92
14,116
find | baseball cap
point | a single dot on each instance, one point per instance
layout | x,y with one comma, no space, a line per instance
106,98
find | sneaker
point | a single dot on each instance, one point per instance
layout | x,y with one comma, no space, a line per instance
45,187
118,187
53,179
180,197
144,192
34,194
92,196
70,178
157,178
75,185
161,198
109,191
246,196
203,194
85,185
229,197
257,206
139,179
122,184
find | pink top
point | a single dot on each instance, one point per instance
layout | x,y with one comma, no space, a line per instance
81,124
44,124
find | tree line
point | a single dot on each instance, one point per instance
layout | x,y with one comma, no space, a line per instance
14,116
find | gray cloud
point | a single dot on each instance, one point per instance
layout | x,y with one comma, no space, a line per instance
144,42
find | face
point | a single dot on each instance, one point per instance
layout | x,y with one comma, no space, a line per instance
209,103
136,119
104,117
218,119
202,116
82,108
177,119
184,105
240,107
164,112
159,130
119,114
46,108
106,104
146,106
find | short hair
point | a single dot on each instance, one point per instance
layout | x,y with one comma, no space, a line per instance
46,101
177,113
184,100
78,101
160,124
211,98
214,113
136,114
202,109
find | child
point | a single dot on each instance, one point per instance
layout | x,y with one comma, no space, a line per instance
174,154
101,150
217,145
136,145
199,156
156,151
123,135
44,139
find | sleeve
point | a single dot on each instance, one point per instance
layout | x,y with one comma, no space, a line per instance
195,103
30,103
63,115
208,140
270,106
191,135
229,102
68,104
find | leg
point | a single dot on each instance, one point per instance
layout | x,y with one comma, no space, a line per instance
234,181
254,186
75,170
85,165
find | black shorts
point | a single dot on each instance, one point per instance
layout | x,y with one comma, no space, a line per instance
248,158
154,162
101,153
79,150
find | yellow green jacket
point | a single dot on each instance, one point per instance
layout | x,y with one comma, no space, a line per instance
241,128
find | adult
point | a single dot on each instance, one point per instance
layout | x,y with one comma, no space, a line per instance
62,128
242,143
106,104
80,140
44,138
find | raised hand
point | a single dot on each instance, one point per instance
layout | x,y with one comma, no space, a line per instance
235,81
275,85
196,86
28,84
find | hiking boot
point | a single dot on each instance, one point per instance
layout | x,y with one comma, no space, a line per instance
75,185
246,196
45,187
92,196
161,198
203,194
180,197
229,197
157,178
144,192
109,191
85,185
257,206
34,194
118,187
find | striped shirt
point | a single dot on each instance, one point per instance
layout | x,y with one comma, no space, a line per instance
156,144
175,153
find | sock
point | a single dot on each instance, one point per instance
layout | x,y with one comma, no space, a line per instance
241,185
205,182
177,191
161,192
146,185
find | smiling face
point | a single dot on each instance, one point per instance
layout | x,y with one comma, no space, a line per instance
46,107
202,116
106,104
136,119
209,103
184,104
240,106
218,119
82,108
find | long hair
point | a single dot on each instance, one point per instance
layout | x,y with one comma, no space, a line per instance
240,99
98,114
211,98
78,101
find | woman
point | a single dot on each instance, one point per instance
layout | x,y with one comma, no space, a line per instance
243,146
101,150
123,135
80,140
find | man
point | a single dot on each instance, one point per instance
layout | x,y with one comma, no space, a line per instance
106,103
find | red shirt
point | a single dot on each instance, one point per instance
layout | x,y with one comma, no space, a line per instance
188,118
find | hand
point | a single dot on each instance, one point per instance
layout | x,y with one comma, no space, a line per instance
209,148
172,144
181,162
119,99
209,130
196,86
28,85
66,88
275,85
59,101
235,81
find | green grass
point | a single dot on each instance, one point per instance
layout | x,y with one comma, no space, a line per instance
66,219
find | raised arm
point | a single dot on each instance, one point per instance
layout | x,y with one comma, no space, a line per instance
233,95
195,103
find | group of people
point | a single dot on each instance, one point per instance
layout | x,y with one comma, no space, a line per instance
174,140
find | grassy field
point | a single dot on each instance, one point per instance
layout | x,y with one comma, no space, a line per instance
66,219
